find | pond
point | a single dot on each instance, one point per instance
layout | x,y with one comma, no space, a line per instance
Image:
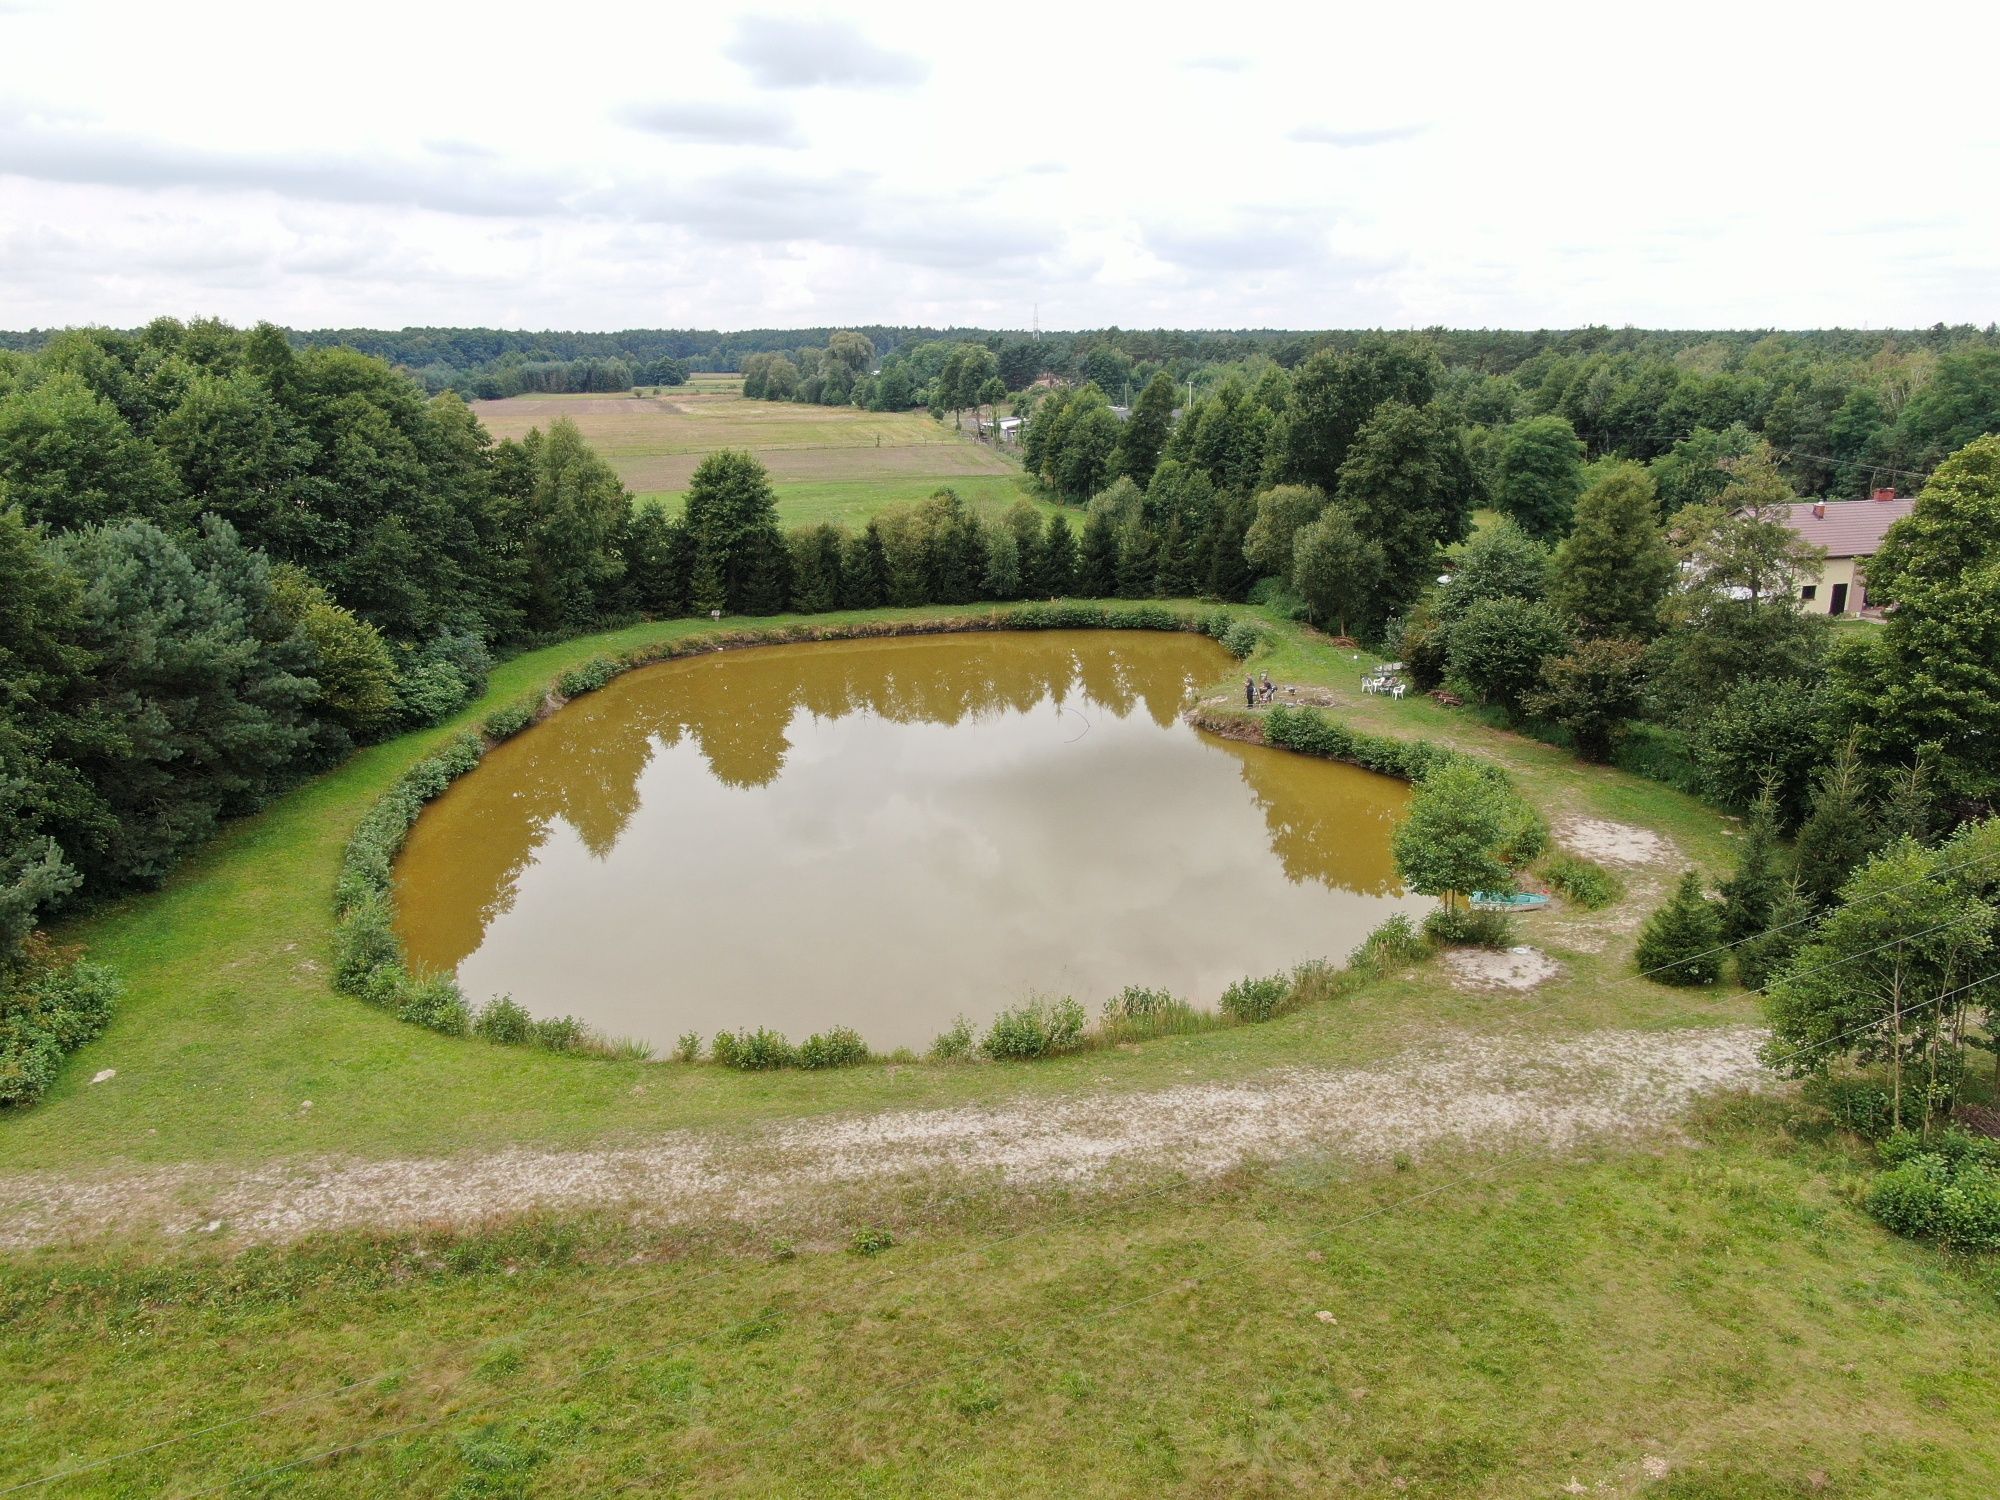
886,834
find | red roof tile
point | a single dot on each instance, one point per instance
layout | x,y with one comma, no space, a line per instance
1850,528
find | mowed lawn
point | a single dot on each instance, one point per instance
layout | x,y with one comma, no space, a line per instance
827,463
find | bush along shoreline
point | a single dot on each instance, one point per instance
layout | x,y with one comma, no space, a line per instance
1468,828
369,962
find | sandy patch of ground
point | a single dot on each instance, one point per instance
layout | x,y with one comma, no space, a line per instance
1497,1093
1499,968
1616,843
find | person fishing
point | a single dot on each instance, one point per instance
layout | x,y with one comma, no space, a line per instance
1270,688
1249,692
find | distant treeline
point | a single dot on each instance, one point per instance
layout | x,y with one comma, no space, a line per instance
488,363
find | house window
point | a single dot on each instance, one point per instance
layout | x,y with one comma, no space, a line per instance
1810,591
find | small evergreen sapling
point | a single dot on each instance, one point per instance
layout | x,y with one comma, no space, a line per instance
1679,942
1749,895
1766,955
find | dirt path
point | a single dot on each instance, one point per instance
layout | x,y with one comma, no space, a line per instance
1493,1094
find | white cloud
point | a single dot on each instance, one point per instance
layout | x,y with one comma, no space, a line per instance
1381,135
744,165
800,52
716,124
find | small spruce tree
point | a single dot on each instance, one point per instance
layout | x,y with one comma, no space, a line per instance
1910,809
1766,955
1679,942
1097,560
1749,895
1056,573
1838,834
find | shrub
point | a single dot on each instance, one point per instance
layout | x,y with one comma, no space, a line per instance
1954,1147
1679,941
688,1048
1136,1003
1396,941
1143,617
364,941
955,1042
759,1050
1317,979
723,1048
567,1034
587,677
1462,927
1910,1198
503,1019
1946,1188
1312,733
1525,835
1275,596
505,723
429,690
55,1009
1242,638
1857,1104
870,1241
1135,1013
1589,885
433,1001
1256,999
1970,1212
1040,1028
839,1047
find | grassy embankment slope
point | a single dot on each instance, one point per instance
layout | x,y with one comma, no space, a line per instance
1502,1323
827,463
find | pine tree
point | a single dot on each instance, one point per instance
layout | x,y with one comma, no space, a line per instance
1679,941
1175,579
708,593
1138,561
1145,435
1026,527
1749,895
1788,925
767,577
1838,835
1910,809
1002,579
1613,569
1097,558
1056,562
1229,571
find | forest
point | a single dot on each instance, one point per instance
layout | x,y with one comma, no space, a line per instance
227,561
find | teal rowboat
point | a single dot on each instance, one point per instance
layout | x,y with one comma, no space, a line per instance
1508,901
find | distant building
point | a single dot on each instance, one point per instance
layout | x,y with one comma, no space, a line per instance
1852,532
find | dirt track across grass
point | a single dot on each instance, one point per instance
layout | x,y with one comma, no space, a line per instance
1497,1095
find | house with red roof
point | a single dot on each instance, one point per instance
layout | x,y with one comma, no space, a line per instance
1851,531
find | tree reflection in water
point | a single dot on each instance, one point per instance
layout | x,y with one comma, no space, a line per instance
694,751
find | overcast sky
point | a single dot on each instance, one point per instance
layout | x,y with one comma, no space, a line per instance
1303,165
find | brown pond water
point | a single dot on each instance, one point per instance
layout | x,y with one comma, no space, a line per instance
887,834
